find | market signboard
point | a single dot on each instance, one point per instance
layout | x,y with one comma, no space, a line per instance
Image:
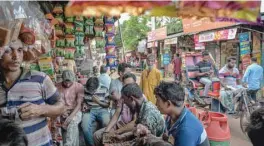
244,44
197,45
158,34
171,41
227,34
152,44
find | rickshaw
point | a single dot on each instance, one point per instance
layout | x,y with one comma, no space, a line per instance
194,88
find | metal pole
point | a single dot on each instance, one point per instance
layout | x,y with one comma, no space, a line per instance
121,36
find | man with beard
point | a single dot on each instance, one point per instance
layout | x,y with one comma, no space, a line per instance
31,94
72,95
148,115
229,79
123,120
150,78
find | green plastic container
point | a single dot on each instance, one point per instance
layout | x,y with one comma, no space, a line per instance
219,143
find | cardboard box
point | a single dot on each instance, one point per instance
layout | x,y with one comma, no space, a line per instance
4,36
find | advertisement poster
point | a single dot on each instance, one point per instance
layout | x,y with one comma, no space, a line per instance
166,59
244,43
227,34
256,43
245,61
197,45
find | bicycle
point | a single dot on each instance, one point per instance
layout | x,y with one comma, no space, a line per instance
245,108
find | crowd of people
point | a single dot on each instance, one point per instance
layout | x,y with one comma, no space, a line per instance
109,111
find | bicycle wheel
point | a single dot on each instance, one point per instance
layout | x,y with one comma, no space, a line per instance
244,121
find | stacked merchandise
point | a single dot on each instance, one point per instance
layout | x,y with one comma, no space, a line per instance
110,47
70,34
26,21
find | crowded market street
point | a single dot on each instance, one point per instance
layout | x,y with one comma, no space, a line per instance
131,73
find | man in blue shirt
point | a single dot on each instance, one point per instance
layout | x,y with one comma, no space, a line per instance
183,128
104,78
252,78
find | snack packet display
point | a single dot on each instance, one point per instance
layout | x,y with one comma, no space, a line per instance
58,9
98,31
69,53
109,20
59,18
79,18
59,30
69,28
110,60
34,66
79,38
46,66
99,42
80,51
110,39
60,52
69,39
110,28
89,21
89,30
99,20
69,19
60,42
110,50
79,27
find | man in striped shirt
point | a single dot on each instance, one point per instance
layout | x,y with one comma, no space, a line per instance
97,101
27,97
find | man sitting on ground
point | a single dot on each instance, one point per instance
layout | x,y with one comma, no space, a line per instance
148,114
72,95
183,128
126,121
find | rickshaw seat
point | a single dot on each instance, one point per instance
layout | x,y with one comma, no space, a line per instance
196,84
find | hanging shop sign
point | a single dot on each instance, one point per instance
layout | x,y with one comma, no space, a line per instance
204,24
152,44
171,41
244,43
197,45
158,34
166,59
227,34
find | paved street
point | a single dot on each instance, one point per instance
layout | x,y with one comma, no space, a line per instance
237,137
